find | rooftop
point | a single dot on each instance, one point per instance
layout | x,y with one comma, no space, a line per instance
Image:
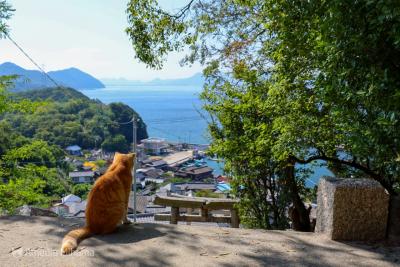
178,157
153,140
197,170
73,148
158,163
70,198
195,186
81,174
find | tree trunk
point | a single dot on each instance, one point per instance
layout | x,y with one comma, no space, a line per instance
300,216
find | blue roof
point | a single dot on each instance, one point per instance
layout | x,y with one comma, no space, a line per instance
224,187
73,148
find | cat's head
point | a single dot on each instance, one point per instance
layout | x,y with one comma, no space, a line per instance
126,159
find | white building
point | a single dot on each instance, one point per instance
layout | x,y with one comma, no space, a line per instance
75,207
155,146
70,205
70,199
80,177
60,209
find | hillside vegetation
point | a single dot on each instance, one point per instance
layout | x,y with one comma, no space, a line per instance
68,117
36,125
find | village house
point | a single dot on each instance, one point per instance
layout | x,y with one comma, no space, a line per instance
185,188
71,198
154,146
77,164
60,209
74,150
223,188
153,176
80,177
75,207
195,173
95,155
158,164
222,179
71,205
143,173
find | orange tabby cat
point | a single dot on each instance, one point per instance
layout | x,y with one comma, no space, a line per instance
107,203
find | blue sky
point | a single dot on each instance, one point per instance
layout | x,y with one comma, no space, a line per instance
87,34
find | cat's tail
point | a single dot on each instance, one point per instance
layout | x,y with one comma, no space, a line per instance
73,238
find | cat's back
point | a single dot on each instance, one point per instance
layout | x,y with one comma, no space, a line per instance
106,186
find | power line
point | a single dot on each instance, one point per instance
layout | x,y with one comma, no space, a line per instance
26,54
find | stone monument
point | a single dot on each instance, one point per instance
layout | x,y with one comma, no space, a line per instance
352,209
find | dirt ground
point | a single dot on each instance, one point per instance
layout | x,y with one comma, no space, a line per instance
35,241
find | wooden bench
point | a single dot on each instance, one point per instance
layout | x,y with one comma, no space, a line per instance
203,204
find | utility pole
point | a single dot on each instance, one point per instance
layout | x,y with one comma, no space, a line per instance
134,136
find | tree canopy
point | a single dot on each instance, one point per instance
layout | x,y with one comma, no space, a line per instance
70,118
288,83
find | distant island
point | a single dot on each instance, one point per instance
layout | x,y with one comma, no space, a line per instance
196,79
34,79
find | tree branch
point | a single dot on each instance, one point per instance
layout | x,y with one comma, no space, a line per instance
353,164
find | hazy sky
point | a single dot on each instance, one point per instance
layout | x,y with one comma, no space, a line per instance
87,34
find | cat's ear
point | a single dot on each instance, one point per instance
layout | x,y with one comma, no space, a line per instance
131,156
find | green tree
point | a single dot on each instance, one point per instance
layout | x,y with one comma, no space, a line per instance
81,190
38,152
122,114
70,118
9,138
24,185
305,81
41,159
115,143
240,131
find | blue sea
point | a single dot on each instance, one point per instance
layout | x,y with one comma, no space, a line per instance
171,112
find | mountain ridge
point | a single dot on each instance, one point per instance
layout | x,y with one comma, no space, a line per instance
196,79
34,79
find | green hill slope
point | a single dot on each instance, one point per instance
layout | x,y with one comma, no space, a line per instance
69,118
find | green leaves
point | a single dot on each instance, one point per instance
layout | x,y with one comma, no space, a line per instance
5,14
71,118
305,79
81,190
154,33
23,188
